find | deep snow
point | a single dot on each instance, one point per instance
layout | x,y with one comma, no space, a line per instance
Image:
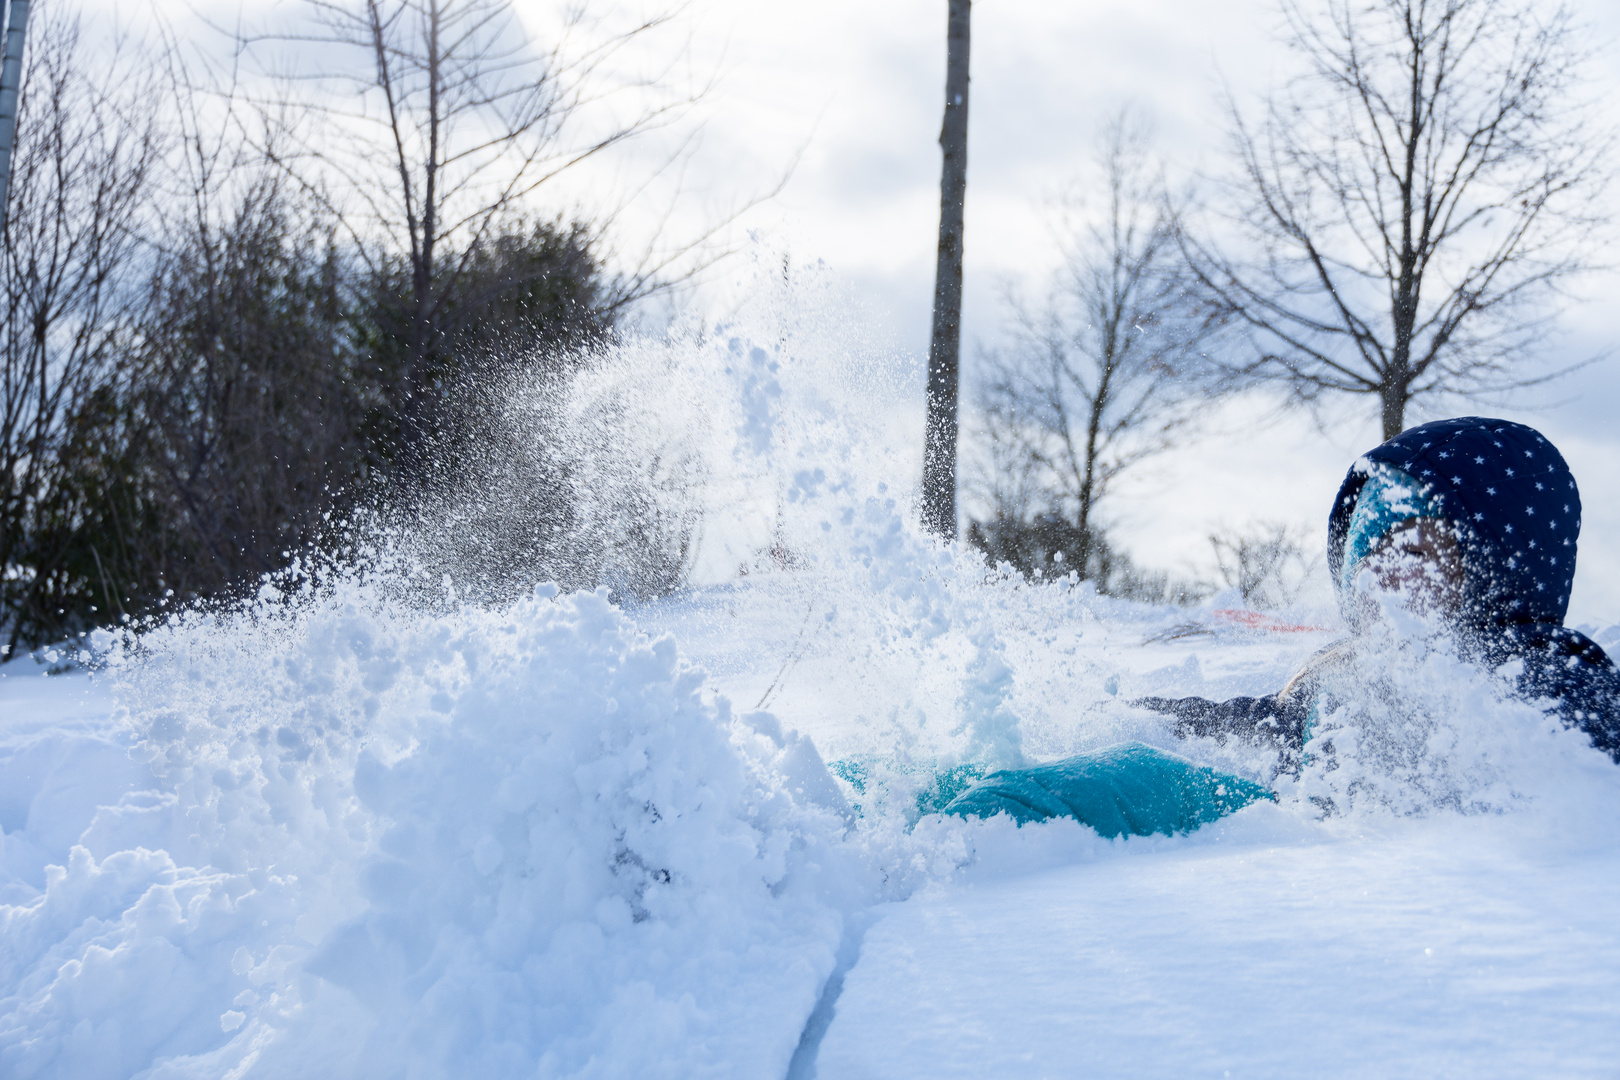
339,832
342,839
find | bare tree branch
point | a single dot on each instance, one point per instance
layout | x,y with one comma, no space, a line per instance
436,122
1100,377
86,148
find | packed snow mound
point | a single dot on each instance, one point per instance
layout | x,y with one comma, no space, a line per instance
489,843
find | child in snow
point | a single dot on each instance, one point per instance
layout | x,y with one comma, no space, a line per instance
1471,521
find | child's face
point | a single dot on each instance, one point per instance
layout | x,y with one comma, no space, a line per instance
1421,561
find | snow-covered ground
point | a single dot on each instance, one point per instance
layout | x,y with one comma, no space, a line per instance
1264,948
332,837
330,833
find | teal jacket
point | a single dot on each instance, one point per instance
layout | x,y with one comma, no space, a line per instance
1126,789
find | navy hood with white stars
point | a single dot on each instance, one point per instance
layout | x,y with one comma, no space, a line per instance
1512,500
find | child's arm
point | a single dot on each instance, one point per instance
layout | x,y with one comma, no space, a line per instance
1272,719
1573,670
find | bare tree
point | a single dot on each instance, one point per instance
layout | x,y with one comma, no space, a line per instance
1102,375
1409,207
1266,563
435,122
945,345
86,146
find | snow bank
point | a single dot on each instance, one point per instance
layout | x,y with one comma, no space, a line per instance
493,843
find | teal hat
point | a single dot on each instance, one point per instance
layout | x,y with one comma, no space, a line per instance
1388,497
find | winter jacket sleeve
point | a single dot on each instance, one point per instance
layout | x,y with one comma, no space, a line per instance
1271,720
1279,721
1572,670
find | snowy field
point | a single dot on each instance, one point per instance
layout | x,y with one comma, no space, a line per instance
334,834
351,842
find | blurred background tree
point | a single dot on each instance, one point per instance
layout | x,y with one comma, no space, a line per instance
1105,372
71,266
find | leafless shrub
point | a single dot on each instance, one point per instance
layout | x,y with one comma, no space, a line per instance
1267,563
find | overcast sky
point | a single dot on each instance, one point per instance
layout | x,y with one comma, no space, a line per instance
856,87
848,94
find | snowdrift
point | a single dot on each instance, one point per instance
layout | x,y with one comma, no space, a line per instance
513,843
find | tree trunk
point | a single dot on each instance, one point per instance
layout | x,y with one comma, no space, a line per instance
945,347
1392,409
1088,484
10,82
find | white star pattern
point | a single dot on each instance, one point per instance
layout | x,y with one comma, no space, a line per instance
1473,498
